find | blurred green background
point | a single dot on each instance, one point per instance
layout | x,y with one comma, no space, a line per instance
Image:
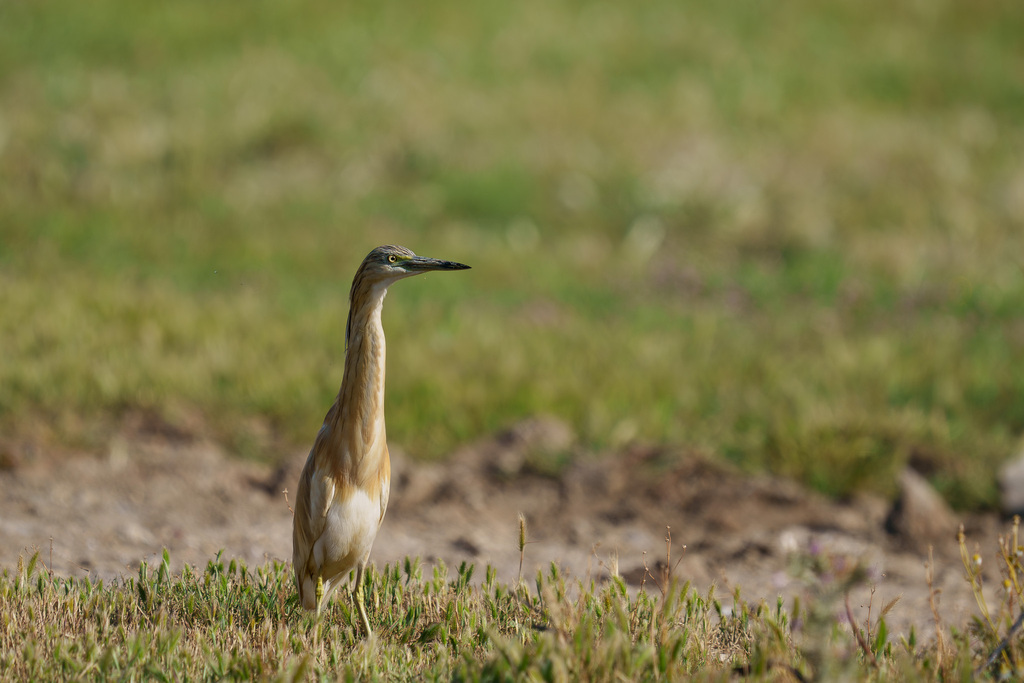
787,235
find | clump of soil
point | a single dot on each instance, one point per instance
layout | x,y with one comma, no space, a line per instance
592,515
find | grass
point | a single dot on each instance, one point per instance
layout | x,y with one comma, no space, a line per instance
786,235
231,621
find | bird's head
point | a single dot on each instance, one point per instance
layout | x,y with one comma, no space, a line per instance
389,263
382,267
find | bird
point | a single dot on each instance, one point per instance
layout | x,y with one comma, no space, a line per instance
344,486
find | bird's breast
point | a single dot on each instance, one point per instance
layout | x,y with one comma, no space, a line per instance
349,530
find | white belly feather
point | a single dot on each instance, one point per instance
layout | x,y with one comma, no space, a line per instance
348,534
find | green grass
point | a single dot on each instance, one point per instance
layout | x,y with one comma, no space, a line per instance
234,622
788,234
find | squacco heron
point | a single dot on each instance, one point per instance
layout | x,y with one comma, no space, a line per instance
344,487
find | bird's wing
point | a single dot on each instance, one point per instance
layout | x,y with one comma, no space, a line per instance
385,483
314,497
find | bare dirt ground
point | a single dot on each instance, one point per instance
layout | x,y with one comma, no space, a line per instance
102,515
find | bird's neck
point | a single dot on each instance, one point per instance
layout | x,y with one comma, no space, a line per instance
361,398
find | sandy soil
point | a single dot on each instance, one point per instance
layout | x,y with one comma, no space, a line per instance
155,489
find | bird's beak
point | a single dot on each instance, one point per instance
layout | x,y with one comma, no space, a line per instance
421,264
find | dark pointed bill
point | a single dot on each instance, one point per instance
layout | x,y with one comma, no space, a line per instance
424,263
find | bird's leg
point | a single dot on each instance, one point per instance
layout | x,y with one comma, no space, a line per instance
316,623
357,590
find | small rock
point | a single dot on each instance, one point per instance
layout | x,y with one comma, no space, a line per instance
587,479
1011,486
417,485
284,477
463,544
11,455
920,517
506,455
541,436
647,574
135,534
8,460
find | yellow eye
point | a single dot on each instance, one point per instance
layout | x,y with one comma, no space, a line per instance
392,259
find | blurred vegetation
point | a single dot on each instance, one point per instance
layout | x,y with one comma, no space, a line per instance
787,234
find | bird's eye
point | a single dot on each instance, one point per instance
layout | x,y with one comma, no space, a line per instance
391,258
